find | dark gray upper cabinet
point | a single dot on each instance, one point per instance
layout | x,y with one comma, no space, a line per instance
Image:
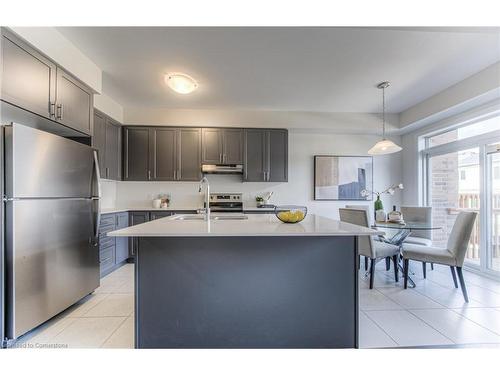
277,155
99,139
107,140
212,148
35,83
255,155
112,161
188,154
28,78
163,153
233,146
136,154
222,146
74,103
266,155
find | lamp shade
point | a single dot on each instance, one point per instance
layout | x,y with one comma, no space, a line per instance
181,83
384,147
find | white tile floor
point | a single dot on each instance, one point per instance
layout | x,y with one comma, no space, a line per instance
434,313
103,319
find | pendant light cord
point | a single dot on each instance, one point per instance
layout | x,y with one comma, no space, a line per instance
383,112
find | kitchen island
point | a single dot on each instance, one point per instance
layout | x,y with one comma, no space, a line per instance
246,283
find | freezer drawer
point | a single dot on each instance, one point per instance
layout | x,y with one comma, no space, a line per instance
53,260
42,165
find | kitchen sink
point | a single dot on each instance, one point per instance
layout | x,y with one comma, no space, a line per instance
201,217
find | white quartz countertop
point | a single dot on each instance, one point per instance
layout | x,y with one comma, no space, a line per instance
255,225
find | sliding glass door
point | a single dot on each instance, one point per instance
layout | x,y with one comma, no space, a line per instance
493,207
461,172
454,186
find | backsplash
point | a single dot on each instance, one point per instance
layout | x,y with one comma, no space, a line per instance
298,189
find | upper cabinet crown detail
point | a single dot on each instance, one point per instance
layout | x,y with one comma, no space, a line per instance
35,83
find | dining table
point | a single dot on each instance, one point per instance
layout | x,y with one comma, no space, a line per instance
402,230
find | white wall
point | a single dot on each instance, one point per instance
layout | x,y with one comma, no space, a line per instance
298,190
473,91
351,123
108,106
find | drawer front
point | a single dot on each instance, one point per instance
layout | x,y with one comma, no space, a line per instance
108,219
107,258
105,241
103,229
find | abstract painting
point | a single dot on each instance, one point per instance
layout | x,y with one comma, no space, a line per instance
342,177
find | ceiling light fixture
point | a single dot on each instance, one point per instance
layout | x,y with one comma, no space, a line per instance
181,83
385,146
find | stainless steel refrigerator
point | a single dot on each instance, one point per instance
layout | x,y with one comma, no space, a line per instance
51,218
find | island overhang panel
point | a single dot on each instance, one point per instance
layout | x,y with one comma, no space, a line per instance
246,292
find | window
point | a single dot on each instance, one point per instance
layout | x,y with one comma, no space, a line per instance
496,172
456,134
462,174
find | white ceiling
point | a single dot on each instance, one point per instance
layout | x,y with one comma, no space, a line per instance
290,69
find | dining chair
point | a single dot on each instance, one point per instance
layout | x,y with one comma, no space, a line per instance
419,237
367,209
453,255
366,245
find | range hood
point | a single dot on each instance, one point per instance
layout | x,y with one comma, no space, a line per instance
222,168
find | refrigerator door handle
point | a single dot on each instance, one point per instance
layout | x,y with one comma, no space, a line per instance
97,185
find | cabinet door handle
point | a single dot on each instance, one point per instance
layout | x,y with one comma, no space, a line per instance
52,109
149,174
220,158
107,172
59,115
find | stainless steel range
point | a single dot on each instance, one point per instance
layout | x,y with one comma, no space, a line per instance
226,202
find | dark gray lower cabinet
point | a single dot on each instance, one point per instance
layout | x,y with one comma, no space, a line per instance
158,215
113,251
135,217
121,242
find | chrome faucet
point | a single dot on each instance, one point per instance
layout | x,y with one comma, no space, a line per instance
206,210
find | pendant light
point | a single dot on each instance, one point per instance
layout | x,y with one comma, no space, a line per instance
385,146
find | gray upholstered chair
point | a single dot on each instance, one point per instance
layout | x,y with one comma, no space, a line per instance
366,245
367,209
453,255
419,237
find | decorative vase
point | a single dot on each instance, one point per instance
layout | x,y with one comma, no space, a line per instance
378,205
